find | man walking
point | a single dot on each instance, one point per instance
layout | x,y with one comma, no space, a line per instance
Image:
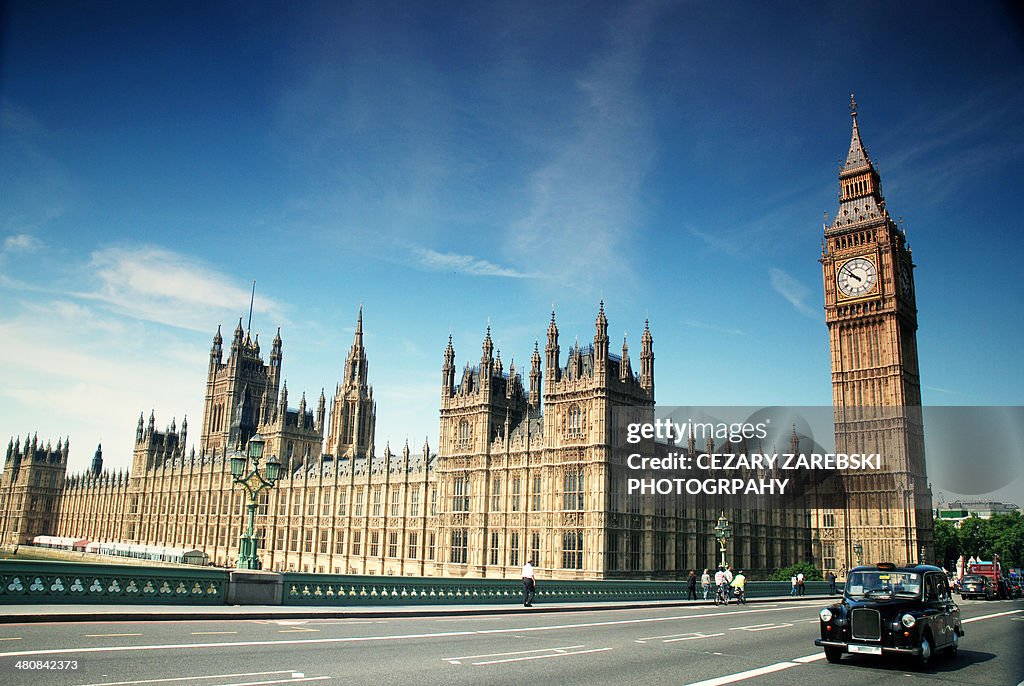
529,584
691,586
831,576
705,582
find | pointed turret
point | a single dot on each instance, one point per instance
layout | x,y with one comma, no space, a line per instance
857,157
275,353
236,342
488,350
860,187
448,370
600,341
551,350
96,468
647,359
282,403
535,375
625,369
321,412
217,349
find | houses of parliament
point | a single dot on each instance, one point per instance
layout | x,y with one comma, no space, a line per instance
522,469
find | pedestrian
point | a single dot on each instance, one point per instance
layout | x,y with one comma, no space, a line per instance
728,574
800,583
529,583
691,586
705,583
792,582
831,582
738,584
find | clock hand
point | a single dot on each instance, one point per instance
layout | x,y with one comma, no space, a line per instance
855,276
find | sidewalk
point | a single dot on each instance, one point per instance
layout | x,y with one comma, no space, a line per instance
18,614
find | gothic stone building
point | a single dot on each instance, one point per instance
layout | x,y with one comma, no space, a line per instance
522,469
871,313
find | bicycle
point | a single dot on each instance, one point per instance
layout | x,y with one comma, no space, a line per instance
721,595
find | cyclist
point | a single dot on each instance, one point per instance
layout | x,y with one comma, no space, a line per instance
738,584
721,595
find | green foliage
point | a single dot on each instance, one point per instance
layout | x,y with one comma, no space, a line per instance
947,543
1001,535
810,572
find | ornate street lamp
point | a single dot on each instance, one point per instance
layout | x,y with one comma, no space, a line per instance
858,550
253,482
723,532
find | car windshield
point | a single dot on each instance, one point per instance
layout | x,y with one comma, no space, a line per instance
973,578
869,584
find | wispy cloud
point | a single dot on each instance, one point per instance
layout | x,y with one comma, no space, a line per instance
462,264
22,242
154,284
942,390
729,244
584,201
792,290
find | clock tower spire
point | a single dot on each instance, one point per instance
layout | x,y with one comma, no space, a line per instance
871,314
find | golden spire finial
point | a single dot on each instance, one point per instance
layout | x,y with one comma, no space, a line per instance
853,106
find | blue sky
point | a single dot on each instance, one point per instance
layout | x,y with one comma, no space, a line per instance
450,164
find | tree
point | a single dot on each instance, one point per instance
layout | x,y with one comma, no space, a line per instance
947,543
810,572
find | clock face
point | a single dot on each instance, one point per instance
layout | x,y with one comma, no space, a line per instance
906,284
857,277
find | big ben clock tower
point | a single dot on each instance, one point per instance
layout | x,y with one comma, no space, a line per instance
871,313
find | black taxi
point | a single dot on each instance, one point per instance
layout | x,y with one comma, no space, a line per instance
889,610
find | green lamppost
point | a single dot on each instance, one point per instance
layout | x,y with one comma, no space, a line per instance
253,482
858,550
722,534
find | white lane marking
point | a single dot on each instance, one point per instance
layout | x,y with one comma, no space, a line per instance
360,639
514,652
749,674
691,638
278,681
998,614
654,638
760,627
810,658
212,633
108,635
192,678
13,638
541,657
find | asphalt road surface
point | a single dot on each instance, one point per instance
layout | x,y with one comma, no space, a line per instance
764,643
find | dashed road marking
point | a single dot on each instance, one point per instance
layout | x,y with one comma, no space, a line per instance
458,660
760,627
541,657
668,638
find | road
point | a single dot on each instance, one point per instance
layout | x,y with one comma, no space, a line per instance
763,644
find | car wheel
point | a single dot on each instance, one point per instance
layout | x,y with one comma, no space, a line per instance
833,655
926,651
954,646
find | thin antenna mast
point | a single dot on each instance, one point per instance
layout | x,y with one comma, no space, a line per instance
252,300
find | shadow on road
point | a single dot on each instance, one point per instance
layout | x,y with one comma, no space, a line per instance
940,664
